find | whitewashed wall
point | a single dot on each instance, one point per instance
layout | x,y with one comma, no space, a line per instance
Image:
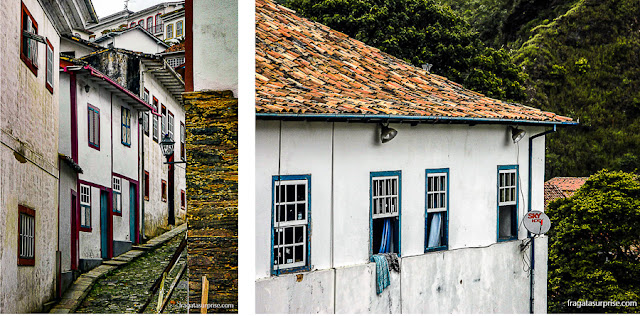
69,46
472,154
90,242
28,118
215,29
135,40
156,211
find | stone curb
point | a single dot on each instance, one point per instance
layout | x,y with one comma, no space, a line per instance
80,288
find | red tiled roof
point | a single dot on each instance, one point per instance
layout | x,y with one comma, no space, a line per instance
568,185
306,67
175,48
551,193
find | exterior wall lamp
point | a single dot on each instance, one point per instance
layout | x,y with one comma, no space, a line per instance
86,88
166,145
517,134
387,133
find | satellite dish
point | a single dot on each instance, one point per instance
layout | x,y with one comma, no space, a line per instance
537,222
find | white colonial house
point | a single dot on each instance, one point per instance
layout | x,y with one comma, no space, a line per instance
29,161
116,189
134,38
100,189
150,19
359,153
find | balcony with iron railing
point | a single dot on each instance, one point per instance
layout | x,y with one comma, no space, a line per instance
155,29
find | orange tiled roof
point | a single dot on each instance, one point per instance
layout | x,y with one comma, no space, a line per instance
551,193
175,48
304,67
568,185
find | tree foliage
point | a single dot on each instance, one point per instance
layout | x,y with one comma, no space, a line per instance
422,32
594,246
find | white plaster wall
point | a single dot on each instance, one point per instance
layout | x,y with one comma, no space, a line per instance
135,40
215,29
488,279
68,182
156,211
121,228
69,46
90,242
356,291
285,295
96,164
64,119
29,116
472,154
308,158
125,158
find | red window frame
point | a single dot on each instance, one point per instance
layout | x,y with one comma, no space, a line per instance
22,261
146,185
164,191
141,23
183,199
25,12
155,119
158,24
150,25
49,69
133,24
91,108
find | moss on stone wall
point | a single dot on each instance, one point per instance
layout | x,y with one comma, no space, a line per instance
212,196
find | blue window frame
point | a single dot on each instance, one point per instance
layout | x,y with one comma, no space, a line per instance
125,117
385,197
507,197
436,209
290,223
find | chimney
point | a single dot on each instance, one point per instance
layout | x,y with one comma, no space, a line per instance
212,45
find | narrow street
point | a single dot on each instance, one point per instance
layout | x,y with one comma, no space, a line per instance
126,289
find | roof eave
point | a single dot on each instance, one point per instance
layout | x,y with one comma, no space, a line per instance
405,118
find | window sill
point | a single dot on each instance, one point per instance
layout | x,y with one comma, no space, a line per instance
26,262
49,87
434,249
94,146
507,239
116,213
289,270
85,229
29,64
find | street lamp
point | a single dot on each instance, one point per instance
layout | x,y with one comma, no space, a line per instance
167,146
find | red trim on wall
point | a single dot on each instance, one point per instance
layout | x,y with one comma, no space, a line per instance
188,30
26,261
23,57
74,119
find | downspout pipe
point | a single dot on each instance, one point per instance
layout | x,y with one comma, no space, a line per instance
533,245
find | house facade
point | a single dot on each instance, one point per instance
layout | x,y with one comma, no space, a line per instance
359,153
174,25
150,19
29,269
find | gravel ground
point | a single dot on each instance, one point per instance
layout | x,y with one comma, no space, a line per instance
126,289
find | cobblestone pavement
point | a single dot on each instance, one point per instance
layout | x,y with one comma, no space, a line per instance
126,289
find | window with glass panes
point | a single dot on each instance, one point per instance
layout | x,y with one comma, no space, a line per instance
117,195
125,117
170,125
50,68
507,202
26,236
384,201
93,126
291,210
85,206
183,150
437,206
29,46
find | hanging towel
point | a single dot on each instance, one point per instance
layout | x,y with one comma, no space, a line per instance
382,272
392,261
